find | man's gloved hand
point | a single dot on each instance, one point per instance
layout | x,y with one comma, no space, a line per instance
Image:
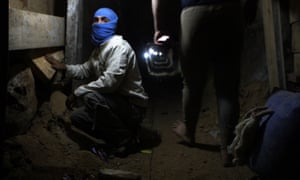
71,102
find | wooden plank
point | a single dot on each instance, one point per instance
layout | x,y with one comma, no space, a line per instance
39,6
30,30
273,43
45,67
295,27
278,28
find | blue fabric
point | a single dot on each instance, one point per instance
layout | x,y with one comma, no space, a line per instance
278,152
104,31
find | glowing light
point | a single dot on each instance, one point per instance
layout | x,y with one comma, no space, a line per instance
146,55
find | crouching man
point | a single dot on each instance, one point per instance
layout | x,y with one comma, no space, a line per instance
114,101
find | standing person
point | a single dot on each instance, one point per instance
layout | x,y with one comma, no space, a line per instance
114,101
211,34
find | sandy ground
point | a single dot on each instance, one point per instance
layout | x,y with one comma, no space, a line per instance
47,152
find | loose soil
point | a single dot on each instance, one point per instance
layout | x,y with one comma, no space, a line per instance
46,151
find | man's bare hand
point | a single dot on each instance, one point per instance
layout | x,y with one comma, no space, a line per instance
54,63
162,39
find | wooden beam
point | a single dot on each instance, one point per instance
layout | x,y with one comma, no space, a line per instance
295,37
273,43
30,30
73,49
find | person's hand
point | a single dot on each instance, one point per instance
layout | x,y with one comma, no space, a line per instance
55,63
160,38
71,102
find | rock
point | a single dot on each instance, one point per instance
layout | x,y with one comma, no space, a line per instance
21,102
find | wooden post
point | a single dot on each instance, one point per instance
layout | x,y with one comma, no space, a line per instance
295,34
73,47
273,43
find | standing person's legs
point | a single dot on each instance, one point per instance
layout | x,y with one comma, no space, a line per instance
228,106
227,73
194,66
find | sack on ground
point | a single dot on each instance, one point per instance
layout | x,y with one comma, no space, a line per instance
246,134
277,151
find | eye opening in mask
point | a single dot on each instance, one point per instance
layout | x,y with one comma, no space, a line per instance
100,19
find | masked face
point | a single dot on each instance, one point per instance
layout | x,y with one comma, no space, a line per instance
104,25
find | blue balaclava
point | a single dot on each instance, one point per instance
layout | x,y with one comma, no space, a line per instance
103,32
